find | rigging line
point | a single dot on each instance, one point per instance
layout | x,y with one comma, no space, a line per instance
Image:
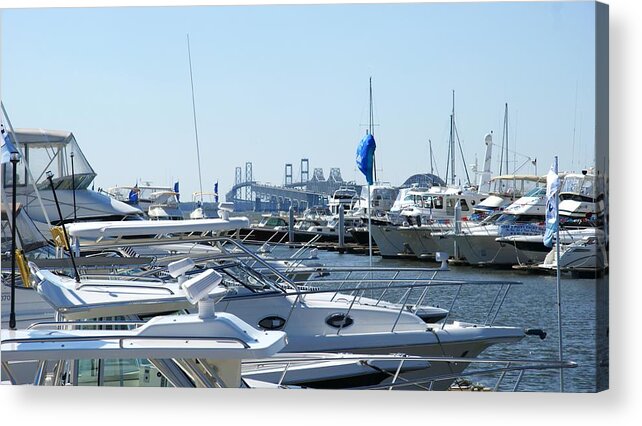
513,152
447,163
435,162
198,153
574,125
461,151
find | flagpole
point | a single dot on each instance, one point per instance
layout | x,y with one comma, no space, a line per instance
369,229
559,301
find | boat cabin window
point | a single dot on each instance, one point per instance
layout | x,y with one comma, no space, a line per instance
439,202
464,205
120,373
275,221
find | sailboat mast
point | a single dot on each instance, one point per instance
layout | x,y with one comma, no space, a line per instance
452,143
198,153
431,158
371,130
506,133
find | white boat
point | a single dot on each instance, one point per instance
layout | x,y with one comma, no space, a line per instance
344,196
532,246
382,199
586,256
390,242
206,205
504,190
437,205
432,211
315,321
478,243
197,350
582,199
52,150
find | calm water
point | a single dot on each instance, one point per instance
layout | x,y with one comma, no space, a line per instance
529,305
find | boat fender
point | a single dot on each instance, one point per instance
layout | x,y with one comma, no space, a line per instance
535,332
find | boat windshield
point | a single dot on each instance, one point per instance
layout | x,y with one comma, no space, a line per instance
583,186
536,192
506,218
238,275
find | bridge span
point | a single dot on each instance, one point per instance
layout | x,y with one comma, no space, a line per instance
257,196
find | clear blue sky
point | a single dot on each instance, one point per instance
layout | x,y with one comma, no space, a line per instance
274,84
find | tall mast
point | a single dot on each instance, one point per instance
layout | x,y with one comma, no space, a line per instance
198,153
371,130
431,158
504,142
452,143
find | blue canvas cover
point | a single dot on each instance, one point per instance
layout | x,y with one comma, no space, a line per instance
365,156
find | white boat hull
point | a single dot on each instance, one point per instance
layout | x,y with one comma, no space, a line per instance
391,242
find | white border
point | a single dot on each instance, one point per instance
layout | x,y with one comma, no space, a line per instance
619,404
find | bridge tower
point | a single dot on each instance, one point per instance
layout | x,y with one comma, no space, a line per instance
248,178
238,178
305,170
288,174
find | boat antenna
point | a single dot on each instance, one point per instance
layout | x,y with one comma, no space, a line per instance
198,153
73,184
62,225
14,158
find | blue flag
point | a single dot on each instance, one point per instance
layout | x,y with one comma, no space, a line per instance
216,192
133,194
365,156
178,196
7,145
552,187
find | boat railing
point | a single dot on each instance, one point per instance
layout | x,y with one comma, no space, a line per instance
502,368
78,325
396,380
184,340
360,286
409,285
502,374
116,276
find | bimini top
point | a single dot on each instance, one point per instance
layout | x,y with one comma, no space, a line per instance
43,137
52,150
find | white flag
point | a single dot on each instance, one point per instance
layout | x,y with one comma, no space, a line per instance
552,187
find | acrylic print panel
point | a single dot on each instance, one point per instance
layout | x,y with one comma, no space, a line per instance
193,200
